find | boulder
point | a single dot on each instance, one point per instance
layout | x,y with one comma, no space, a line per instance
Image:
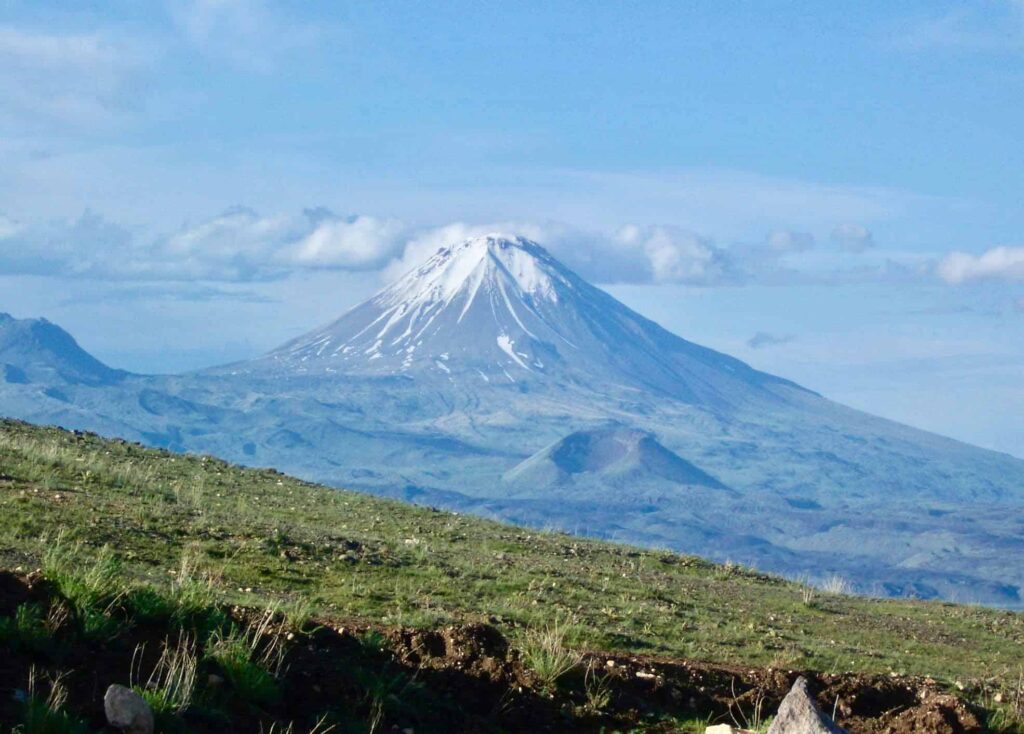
127,710
799,714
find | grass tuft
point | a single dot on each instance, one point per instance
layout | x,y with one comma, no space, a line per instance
93,589
172,683
544,651
27,630
250,659
46,715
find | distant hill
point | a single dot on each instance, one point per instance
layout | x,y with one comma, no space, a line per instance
35,350
617,457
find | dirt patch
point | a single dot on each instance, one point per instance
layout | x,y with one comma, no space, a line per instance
932,713
464,678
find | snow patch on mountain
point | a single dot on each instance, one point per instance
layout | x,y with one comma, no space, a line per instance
504,307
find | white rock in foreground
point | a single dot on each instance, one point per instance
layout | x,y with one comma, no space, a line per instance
127,710
799,714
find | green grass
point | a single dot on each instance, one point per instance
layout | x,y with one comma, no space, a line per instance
250,660
40,717
46,715
172,683
547,654
92,588
26,630
256,537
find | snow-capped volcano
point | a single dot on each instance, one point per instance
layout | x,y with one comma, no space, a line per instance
494,380
502,308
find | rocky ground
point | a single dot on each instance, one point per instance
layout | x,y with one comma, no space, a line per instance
332,676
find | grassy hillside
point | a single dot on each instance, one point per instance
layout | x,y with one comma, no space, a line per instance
262,538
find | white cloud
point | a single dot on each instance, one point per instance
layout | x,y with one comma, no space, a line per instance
633,254
8,227
763,339
853,237
250,34
238,245
785,240
998,27
421,245
677,256
242,245
353,243
74,247
80,79
999,263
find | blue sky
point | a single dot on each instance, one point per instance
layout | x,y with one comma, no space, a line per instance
831,191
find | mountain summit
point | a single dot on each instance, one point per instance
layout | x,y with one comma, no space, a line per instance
502,308
37,350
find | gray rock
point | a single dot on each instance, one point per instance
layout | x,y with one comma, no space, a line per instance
127,710
799,714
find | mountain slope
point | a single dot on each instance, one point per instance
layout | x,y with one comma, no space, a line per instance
35,350
264,537
492,352
498,308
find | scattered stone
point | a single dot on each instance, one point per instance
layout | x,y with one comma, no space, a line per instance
799,714
127,710
726,729
214,681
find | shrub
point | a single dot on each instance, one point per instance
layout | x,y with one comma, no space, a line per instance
597,689
297,613
836,585
250,660
545,653
146,604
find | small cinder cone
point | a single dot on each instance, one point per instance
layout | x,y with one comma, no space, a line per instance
799,714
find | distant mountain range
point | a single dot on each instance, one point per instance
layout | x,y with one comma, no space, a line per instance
492,379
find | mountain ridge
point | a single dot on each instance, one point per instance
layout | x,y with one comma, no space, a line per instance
816,488
37,347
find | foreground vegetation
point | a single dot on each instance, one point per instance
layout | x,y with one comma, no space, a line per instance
125,533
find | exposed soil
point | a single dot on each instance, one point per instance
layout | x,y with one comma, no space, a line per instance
465,678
